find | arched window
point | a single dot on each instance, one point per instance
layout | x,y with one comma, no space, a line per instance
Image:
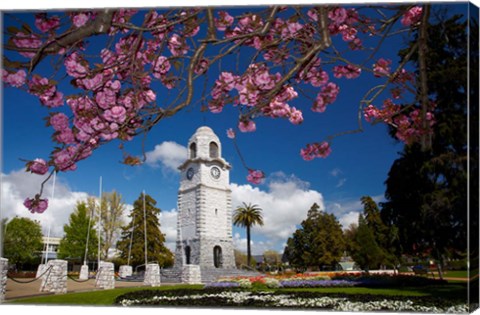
217,257
193,150
213,150
187,255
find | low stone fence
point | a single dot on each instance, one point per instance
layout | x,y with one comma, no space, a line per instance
3,278
105,276
55,278
152,275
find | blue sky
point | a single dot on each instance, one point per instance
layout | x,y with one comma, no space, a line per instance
358,164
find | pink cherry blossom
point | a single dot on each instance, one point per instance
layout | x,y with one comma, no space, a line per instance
116,114
37,166
337,15
45,24
36,205
17,79
255,176
66,136
55,100
230,133
202,66
382,67
161,67
295,116
64,159
76,66
412,16
22,40
348,71
316,150
225,20
177,45
247,126
59,122
80,19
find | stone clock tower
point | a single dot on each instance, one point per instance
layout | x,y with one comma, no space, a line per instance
204,225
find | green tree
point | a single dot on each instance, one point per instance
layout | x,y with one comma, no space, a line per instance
111,209
247,216
318,242
134,232
426,195
385,237
23,241
80,227
368,254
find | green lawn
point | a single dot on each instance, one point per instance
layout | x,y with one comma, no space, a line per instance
107,297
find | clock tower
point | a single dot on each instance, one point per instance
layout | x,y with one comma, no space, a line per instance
204,224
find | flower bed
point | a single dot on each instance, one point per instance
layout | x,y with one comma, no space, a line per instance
289,300
387,280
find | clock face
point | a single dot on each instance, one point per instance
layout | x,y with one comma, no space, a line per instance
215,172
190,173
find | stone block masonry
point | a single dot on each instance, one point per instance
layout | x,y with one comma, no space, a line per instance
55,278
125,271
3,278
105,276
191,274
152,275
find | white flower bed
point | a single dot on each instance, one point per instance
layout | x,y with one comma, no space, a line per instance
285,300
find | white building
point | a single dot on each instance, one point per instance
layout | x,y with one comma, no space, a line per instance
204,225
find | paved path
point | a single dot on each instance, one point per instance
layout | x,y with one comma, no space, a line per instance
21,290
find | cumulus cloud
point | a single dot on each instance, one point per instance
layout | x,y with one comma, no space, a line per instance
285,205
168,154
258,247
18,185
168,226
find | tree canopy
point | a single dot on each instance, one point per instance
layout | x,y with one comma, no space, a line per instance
318,243
144,219
107,68
80,233
427,190
22,241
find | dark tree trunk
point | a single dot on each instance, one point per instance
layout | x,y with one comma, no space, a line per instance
249,254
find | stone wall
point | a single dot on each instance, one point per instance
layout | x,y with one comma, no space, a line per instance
152,275
3,278
55,278
105,276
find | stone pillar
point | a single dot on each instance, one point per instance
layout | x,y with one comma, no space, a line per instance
125,271
191,274
105,276
41,270
152,275
55,278
3,278
83,273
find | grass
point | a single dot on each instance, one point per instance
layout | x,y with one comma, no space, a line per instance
97,297
107,297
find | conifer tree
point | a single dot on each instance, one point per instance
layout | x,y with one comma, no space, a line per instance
134,233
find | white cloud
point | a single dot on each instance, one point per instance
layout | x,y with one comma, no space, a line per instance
285,205
168,154
349,218
258,247
335,172
341,182
168,226
18,185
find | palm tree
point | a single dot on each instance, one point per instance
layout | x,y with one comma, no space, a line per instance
248,216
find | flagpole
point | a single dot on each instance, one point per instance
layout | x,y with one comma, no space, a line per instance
145,227
50,223
99,223
131,240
